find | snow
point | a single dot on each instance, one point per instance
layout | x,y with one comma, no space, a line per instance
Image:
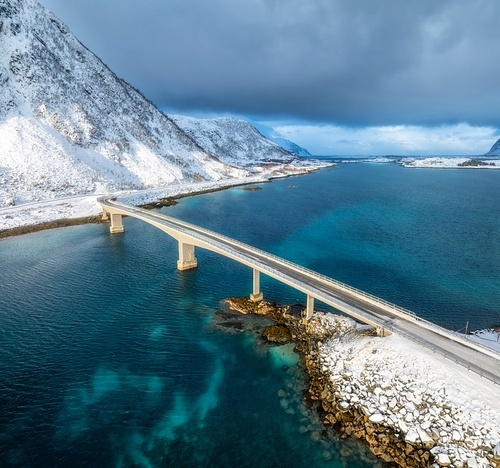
31,214
400,384
372,159
275,136
487,337
425,370
34,164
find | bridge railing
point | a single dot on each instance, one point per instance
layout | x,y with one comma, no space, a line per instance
190,229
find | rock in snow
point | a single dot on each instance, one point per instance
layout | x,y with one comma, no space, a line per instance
69,125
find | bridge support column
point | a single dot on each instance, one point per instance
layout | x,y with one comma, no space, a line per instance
309,307
187,260
381,331
257,295
116,223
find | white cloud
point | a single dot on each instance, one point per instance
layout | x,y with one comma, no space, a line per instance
461,139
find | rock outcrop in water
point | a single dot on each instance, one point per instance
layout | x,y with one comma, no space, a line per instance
400,417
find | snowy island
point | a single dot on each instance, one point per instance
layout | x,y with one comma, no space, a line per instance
440,162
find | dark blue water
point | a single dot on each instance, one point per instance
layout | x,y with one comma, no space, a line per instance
110,357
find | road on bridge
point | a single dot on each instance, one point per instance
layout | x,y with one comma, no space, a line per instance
484,362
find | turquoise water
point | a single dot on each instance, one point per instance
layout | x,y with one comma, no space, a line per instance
110,357
426,239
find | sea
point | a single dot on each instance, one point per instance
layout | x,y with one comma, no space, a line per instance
110,357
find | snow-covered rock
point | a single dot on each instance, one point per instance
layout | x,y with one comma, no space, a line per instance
428,404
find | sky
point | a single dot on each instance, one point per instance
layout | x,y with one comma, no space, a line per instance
339,77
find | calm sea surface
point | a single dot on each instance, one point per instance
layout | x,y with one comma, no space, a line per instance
110,357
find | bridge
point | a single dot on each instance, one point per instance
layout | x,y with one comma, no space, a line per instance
385,317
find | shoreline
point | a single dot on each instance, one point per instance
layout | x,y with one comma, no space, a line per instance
46,225
409,406
143,198
97,219
443,162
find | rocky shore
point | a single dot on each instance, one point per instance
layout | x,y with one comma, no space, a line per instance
58,223
409,408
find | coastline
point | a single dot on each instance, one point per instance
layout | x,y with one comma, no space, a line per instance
439,162
83,209
411,407
58,223
38,215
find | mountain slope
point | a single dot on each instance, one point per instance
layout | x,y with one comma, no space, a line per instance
235,142
290,146
494,150
276,137
69,125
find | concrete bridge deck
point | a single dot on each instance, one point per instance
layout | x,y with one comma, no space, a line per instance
384,316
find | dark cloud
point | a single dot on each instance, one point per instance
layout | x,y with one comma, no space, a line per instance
352,62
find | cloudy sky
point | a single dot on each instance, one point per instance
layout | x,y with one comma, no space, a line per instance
335,76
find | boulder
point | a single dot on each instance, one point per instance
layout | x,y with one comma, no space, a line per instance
442,459
426,440
277,334
496,452
376,418
412,437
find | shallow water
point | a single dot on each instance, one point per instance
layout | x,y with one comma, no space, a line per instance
110,357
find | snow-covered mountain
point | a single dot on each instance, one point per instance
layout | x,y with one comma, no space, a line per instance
290,146
235,142
277,138
495,150
69,125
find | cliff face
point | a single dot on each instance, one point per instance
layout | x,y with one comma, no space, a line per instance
69,125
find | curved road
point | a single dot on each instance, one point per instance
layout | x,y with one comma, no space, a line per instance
360,305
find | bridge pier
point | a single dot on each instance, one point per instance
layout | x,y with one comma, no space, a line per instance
381,331
257,295
309,307
116,223
187,260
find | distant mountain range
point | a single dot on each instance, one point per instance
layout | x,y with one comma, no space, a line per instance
273,135
495,150
69,125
